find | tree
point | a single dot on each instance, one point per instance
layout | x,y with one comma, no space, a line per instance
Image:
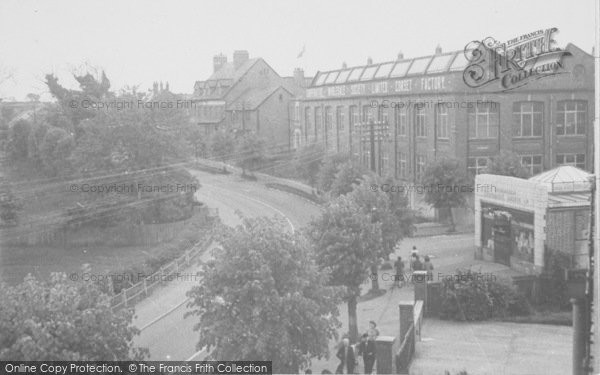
447,186
18,136
307,162
250,152
264,298
399,205
330,167
221,145
55,151
34,142
10,205
507,163
34,98
377,206
343,237
63,320
348,175
93,89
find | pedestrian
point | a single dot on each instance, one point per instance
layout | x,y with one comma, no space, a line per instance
428,266
361,347
369,351
416,263
347,359
373,329
399,277
413,252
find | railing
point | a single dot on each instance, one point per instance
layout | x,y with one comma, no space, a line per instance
406,351
137,292
418,318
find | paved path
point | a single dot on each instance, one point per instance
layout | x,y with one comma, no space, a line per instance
165,330
479,348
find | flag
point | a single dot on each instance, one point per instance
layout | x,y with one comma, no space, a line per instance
301,52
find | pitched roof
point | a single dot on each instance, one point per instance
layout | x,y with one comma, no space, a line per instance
564,179
228,71
252,98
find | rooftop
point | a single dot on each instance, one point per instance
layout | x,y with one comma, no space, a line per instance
564,179
439,63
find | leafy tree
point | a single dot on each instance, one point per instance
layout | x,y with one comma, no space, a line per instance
377,206
330,167
70,101
221,145
348,175
307,162
447,186
399,205
34,142
250,152
33,97
10,205
62,320
343,237
264,297
507,163
55,150
18,136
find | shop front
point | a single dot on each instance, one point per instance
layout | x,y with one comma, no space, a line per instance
519,222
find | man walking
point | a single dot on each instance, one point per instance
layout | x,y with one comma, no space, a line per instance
346,356
399,277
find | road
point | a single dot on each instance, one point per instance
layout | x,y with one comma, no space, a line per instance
165,331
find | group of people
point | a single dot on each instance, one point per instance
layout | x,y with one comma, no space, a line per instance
415,265
349,354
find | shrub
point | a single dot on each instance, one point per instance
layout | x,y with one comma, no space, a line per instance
470,297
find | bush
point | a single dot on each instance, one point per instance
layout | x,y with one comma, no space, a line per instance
470,297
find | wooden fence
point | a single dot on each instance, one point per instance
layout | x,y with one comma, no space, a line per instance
142,289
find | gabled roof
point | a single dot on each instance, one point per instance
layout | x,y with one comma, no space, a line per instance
564,179
228,71
252,98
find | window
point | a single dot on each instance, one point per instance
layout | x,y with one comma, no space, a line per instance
442,120
297,112
306,121
339,116
483,120
420,168
297,138
528,119
575,160
328,118
318,121
353,116
401,120
402,165
533,163
367,115
477,165
420,122
571,117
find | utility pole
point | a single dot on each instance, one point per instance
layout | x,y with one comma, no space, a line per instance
596,233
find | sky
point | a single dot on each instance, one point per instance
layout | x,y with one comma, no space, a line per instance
139,42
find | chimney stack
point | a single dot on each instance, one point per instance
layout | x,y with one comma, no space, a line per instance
369,61
400,56
438,50
299,77
239,58
218,61
344,65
